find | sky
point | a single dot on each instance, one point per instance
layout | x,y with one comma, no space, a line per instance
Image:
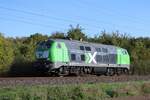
20,18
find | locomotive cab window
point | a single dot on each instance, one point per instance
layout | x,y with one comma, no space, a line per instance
48,43
104,50
44,44
81,47
82,57
87,48
73,57
58,45
124,52
98,49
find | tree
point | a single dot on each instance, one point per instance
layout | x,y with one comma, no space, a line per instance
58,35
27,48
105,38
6,54
76,33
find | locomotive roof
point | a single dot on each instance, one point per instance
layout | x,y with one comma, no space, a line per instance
82,42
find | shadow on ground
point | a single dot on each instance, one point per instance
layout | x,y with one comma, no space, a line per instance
24,70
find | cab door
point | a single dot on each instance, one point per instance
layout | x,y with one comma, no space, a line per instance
119,56
59,52
123,57
65,52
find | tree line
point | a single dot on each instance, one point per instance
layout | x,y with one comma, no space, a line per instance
18,54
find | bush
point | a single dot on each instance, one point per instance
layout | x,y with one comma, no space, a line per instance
6,54
75,92
145,88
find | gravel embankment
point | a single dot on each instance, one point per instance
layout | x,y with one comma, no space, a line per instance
13,81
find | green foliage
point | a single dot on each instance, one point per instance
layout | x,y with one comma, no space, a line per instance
6,54
58,35
100,91
76,33
28,46
77,94
24,50
145,88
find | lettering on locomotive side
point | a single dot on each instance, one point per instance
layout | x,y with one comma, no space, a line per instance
92,57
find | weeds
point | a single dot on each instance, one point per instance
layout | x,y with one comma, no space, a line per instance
75,92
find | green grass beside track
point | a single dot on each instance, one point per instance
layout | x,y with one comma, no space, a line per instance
99,91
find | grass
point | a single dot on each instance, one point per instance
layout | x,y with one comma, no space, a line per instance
97,91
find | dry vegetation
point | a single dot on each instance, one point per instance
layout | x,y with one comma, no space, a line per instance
98,91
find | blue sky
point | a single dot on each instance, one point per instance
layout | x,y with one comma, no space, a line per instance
26,17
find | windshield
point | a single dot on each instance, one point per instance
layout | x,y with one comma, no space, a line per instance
44,45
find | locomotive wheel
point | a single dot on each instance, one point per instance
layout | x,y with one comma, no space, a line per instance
58,72
110,72
119,71
89,70
126,71
81,71
62,71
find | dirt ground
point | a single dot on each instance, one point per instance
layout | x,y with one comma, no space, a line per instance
146,97
12,81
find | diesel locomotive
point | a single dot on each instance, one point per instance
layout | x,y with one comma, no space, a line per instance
63,57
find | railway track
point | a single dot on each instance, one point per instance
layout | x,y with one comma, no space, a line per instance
13,81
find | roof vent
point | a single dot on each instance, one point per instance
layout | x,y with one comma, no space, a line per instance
81,40
70,38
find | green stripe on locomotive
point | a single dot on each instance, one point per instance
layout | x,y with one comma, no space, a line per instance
58,52
87,58
122,56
